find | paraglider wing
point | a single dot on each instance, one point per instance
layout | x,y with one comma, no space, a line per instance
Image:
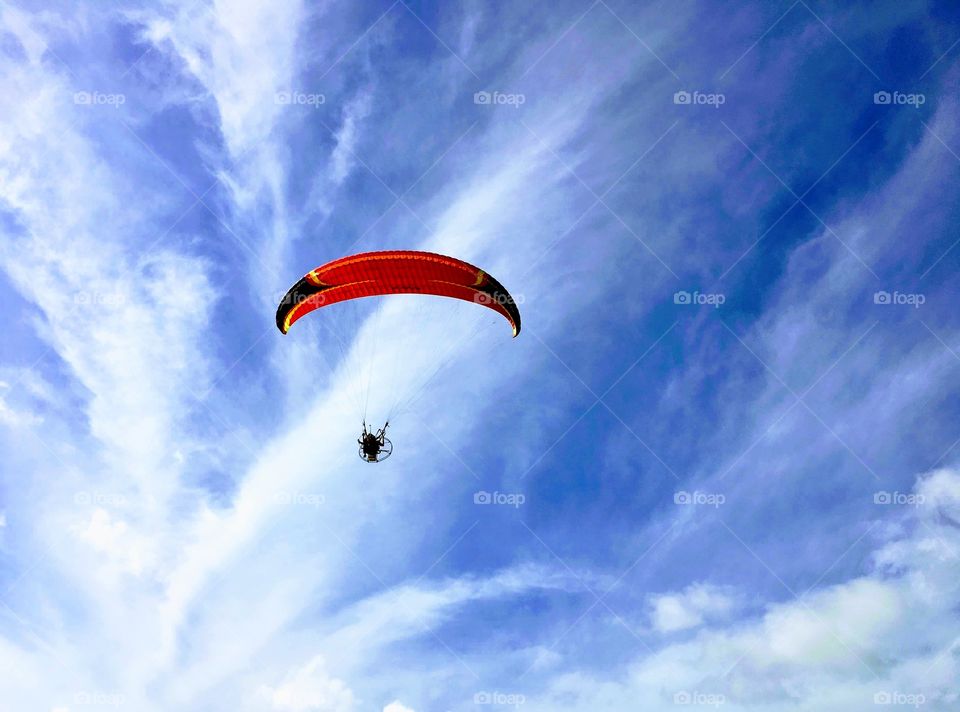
395,272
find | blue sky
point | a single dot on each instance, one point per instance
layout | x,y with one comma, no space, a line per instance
722,453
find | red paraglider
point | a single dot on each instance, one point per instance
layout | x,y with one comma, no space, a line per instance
372,274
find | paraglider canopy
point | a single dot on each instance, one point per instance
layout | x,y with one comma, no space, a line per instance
373,274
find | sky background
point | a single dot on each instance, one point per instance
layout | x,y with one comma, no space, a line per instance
717,469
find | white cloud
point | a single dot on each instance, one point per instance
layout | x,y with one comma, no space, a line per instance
127,324
310,689
343,154
836,647
690,608
17,418
395,706
116,540
24,394
242,54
